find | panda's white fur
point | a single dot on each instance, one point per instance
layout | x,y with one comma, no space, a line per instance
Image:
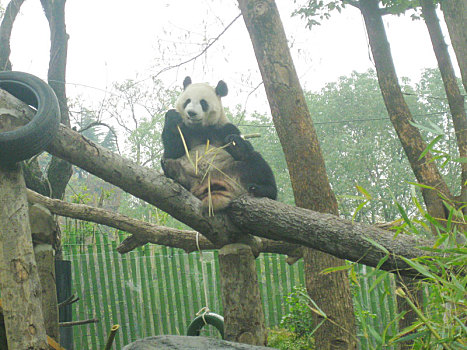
190,106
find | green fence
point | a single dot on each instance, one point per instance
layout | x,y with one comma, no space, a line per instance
157,290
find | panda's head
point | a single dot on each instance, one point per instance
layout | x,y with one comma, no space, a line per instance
200,104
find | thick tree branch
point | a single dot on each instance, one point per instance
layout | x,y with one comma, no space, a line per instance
265,218
326,232
144,232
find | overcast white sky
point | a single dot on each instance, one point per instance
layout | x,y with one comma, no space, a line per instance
111,40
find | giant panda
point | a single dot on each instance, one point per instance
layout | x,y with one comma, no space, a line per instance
220,164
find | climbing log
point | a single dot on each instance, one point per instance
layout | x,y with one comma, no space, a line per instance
243,312
19,278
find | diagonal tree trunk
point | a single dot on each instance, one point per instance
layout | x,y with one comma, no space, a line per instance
424,169
455,98
455,15
305,163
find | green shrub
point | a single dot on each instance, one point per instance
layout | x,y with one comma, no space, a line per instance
284,339
296,328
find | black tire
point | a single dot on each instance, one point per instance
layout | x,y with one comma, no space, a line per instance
32,138
211,318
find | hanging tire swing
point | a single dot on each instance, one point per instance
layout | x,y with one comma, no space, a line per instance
25,142
208,318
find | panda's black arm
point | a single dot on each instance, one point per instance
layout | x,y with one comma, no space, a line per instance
171,140
257,175
226,130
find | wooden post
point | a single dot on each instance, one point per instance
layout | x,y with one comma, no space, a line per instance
19,279
43,229
243,310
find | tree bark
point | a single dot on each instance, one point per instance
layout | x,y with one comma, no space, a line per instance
243,309
19,279
6,27
305,163
455,15
425,169
455,98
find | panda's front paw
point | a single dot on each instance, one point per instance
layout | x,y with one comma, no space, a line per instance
258,190
173,119
238,147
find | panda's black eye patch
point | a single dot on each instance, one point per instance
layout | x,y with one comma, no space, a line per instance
204,105
186,103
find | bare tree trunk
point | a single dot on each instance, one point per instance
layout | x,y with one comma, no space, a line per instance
243,309
59,171
19,279
455,98
424,169
305,163
455,15
5,32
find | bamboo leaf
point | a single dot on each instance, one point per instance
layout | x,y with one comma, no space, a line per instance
420,268
360,206
337,268
435,129
404,215
376,244
440,240
378,280
364,192
421,185
430,146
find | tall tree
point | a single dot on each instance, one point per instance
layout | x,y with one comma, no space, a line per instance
455,98
306,166
455,15
424,169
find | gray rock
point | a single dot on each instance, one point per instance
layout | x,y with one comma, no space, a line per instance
165,342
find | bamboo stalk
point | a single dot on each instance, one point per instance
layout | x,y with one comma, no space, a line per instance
110,339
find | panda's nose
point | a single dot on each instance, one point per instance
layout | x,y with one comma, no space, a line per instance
192,114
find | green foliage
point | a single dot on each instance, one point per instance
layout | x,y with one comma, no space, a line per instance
300,318
367,154
441,320
315,11
283,339
442,316
296,328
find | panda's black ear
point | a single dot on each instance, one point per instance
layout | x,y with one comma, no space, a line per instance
221,89
186,82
